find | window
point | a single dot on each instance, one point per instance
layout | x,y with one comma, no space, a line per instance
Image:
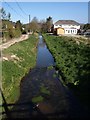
68,31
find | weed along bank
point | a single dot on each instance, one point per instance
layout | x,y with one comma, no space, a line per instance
17,60
45,60
35,87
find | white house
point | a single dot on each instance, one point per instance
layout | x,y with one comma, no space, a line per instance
66,27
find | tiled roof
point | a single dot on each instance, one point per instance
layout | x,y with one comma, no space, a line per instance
69,22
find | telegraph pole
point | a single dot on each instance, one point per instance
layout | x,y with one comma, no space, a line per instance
29,24
89,12
29,18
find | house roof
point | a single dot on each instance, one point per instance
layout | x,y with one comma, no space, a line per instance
69,22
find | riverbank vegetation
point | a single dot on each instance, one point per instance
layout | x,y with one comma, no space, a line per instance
17,60
73,64
10,29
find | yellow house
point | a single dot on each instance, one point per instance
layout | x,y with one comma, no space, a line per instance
60,31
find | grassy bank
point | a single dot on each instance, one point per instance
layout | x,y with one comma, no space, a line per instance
17,60
73,63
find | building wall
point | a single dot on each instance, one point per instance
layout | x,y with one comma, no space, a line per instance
60,31
70,31
66,29
67,26
57,26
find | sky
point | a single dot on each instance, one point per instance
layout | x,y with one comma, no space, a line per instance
77,11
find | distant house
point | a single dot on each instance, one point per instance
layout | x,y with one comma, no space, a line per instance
62,27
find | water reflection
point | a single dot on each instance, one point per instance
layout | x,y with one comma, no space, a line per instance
44,57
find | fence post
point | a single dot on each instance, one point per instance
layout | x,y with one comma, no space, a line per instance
5,105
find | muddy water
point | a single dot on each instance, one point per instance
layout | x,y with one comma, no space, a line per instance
44,57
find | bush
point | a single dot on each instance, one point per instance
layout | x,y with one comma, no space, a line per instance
24,32
16,33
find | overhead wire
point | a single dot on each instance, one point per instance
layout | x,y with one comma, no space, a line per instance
13,9
21,8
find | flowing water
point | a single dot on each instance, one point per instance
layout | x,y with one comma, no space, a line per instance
42,92
44,57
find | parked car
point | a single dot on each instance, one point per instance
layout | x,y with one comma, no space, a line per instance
81,33
87,34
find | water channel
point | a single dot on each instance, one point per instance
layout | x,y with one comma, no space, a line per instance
44,57
41,87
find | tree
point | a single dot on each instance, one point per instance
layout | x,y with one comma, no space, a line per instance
18,28
46,26
18,25
49,23
9,16
43,26
86,26
5,16
3,13
35,20
34,25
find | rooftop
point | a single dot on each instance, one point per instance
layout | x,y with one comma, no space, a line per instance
70,22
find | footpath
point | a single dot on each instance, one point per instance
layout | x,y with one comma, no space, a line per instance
13,41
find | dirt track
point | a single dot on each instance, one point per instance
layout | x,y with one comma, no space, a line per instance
13,41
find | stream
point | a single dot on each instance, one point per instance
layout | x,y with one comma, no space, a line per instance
42,94
44,57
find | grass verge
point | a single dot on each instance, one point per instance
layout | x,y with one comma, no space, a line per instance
17,60
73,64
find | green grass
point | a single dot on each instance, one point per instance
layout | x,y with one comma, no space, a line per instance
50,67
14,69
37,99
72,62
44,90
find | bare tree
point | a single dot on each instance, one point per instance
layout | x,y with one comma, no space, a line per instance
46,25
34,25
35,20
43,26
